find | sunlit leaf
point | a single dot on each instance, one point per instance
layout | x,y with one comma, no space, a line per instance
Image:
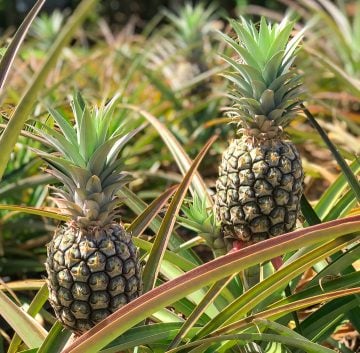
23,110
12,50
56,339
35,211
144,219
28,329
34,307
177,150
164,295
152,266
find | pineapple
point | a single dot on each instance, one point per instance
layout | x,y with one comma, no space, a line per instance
93,266
193,24
260,177
183,54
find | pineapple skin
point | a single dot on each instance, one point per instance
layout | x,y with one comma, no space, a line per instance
258,190
91,274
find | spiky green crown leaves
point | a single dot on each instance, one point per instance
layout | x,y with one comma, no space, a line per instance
199,217
86,162
191,23
266,91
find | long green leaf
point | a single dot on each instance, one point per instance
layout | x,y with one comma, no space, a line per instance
171,272
175,259
87,134
353,182
30,331
145,218
354,317
301,343
144,335
55,340
140,308
321,324
35,211
61,144
16,42
35,306
68,131
23,110
246,302
346,281
335,190
343,206
199,309
308,212
167,269
182,159
152,266
138,206
278,312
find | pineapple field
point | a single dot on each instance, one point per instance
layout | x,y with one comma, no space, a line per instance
180,179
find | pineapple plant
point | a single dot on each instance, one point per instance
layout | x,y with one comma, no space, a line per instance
183,54
193,23
199,217
260,179
92,264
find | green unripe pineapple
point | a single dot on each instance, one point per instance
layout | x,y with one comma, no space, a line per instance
260,177
93,266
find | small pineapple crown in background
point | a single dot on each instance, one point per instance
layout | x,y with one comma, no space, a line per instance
192,23
184,50
86,162
46,27
266,91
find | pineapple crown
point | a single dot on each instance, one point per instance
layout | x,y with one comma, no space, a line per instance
199,217
86,162
266,91
192,22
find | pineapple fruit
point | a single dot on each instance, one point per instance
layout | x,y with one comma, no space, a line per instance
260,177
93,266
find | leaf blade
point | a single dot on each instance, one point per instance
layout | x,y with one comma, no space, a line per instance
180,156
152,266
140,308
30,331
10,54
12,130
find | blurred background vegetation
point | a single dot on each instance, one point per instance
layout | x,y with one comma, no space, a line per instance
117,12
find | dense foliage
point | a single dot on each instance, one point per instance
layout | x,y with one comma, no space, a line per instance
183,86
